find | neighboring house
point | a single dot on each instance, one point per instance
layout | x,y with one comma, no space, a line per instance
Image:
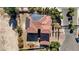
39,29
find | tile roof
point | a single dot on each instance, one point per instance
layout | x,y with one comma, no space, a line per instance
44,24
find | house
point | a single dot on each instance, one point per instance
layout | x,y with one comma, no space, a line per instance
39,30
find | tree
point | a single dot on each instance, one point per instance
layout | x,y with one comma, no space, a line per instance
10,10
40,10
55,15
70,15
31,9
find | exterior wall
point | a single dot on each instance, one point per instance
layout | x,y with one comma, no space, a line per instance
8,42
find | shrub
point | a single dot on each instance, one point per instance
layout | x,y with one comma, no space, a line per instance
54,46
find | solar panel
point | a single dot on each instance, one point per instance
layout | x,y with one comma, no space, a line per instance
44,36
35,36
32,36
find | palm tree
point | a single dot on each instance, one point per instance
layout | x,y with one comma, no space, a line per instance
40,10
32,9
56,19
